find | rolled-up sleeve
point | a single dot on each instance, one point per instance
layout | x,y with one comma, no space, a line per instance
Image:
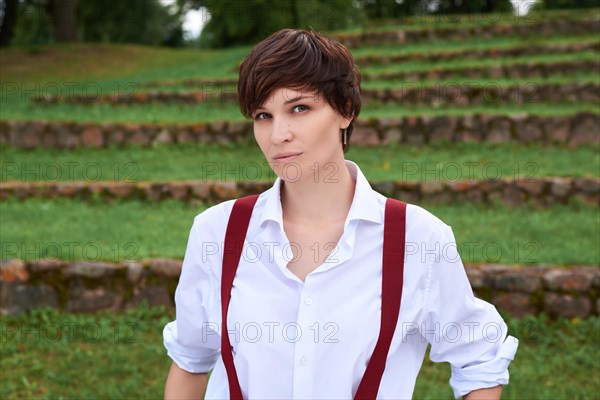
192,339
463,330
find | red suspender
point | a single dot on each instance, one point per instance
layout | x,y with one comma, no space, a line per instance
394,238
394,235
234,242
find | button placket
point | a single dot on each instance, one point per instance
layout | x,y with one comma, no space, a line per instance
304,347
303,361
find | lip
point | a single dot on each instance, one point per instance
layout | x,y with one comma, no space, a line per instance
289,156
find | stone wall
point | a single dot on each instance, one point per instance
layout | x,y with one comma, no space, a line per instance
411,92
540,192
527,69
437,56
508,71
484,31
572,130
93,286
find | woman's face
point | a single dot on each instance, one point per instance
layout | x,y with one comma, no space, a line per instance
293,121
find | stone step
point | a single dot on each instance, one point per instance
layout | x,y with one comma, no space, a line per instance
541,192
487,53
525,69
450,94
513,70
90,285
484,31
574,130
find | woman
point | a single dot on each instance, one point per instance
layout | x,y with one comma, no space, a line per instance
304,314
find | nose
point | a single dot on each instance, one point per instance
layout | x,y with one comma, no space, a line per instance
281,130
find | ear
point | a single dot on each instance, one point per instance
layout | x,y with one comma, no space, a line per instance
346,122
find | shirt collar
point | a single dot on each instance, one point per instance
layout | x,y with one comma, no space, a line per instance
364,206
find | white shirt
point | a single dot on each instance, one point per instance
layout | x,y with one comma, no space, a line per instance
313,339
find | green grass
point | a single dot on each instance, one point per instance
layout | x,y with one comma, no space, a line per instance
412,66
123,64
40,229
108,63
213,111
19,93
527,84
497,43
116,355
461,160
149,113
106,355
422,20
555,360
569,77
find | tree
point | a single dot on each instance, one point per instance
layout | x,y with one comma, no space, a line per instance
63,18
379,9
235,22
473,6
566,4
39,22
32,24
131,21
9,19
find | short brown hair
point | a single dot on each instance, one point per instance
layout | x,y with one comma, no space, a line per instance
301,60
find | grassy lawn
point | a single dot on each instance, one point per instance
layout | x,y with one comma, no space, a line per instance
122,356
527,83
207,85
70,69
423,20
436,161
78,63
214,111
490,62
505,42
78,230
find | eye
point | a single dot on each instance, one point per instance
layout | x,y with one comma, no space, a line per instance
301,105
257,116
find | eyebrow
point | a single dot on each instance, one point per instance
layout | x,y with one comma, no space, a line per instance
290,101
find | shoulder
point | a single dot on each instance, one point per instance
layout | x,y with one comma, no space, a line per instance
212,222
424,225
215,213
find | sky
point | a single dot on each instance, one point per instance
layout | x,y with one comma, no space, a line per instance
194,22
196,19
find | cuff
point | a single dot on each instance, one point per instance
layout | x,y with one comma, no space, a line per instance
485,375
194,360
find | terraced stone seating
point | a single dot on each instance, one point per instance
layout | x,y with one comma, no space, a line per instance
513,96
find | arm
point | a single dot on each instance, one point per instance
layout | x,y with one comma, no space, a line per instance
463,330
485,394
185,385
192,340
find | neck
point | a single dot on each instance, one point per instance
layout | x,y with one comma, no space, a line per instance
318,201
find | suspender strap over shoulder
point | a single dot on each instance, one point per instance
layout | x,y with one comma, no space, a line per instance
392,283
394,235
234,242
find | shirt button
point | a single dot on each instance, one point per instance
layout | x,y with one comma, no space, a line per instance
308,300
303,361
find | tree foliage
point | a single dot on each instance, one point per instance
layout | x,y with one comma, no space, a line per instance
230,22
473,6
566,4
380,9
235,22
131,21
148,22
